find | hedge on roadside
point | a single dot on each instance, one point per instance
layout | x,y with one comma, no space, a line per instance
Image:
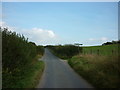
65,51
17,56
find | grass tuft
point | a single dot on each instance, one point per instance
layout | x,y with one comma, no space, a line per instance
101,71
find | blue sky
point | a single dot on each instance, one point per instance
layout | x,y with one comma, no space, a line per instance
89,23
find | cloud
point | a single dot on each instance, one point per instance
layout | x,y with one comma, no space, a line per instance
104,39
4,24
92,39
98,39
40,36
46,33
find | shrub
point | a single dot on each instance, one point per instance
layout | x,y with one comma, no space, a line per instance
17,56
65,51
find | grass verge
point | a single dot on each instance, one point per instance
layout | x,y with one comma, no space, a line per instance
101,71
33,74
29,77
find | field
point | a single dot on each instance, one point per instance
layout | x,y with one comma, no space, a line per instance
100,69
101,50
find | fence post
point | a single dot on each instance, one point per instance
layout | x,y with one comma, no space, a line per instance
112,51
91,51
84,52
98,52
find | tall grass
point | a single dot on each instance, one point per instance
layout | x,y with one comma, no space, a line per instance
100,70
17,58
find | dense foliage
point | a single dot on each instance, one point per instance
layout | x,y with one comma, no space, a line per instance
65,51
113,42
40,49
17,56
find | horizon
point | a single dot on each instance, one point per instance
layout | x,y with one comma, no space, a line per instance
53,23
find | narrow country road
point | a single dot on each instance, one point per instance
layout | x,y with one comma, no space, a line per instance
58,74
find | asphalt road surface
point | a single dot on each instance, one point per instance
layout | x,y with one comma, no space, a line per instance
58,74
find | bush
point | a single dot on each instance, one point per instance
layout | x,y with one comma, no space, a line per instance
17,56
40,49
65,51
113,42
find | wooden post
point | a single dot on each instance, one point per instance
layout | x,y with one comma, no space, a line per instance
112,51
78,47
98,52
84,52
91,51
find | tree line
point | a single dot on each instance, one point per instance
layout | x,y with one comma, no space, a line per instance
17,56
113,42
65,51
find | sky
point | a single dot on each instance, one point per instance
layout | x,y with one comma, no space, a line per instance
89,23
61,0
